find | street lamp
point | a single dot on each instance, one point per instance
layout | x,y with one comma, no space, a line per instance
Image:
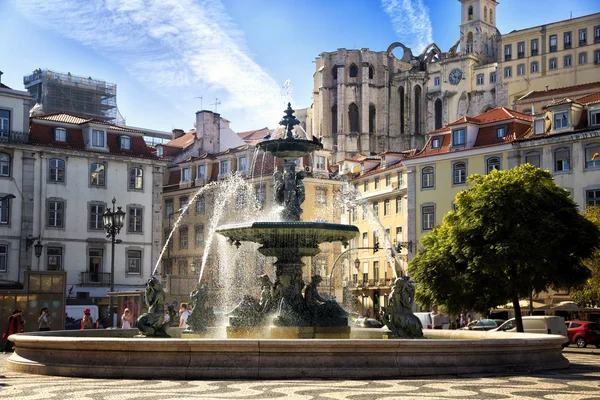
38,247
113,222
357,263
8,197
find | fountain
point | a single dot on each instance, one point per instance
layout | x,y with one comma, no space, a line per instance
288,332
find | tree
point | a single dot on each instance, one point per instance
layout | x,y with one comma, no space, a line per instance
513,232
588,295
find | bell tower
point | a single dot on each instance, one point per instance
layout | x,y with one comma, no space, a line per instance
478,27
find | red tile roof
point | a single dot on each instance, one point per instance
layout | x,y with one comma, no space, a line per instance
495,115
561,90
68,118
184,140
590,99
256,134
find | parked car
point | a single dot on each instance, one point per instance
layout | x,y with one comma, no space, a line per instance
369,323
427,320
484,325
582,333
551,325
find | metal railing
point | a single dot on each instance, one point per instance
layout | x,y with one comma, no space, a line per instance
14,137
95,278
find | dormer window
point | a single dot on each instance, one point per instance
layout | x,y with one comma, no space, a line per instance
159,151
595,117
501,132
60,135
320,162
224,167
125,142
538,127
436,143
201,172
185,175
561,120
458,137
243,164
98,138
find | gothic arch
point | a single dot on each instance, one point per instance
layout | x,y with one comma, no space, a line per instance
372,118
353,71
417,108
401,103
469,42
485,14
431,51
438,114
486,109
353,118
334,122
407,56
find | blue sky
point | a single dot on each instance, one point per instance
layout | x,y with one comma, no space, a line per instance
164,53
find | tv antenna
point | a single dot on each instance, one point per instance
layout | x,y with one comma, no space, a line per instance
216,104
199,97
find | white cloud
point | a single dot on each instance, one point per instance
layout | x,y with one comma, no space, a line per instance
174,45
410,19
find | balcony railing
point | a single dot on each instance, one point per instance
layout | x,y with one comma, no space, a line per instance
14,137
95,278
387,282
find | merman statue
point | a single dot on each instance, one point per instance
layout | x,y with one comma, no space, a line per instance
153,322
398,316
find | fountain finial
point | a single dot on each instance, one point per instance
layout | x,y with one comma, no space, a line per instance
289,121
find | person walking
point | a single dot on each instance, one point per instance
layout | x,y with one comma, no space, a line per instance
15,325
126,319
44,320
436,317
87,322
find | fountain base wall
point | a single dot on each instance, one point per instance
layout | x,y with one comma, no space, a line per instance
108,354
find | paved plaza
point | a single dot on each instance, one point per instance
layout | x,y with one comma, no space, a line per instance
580,381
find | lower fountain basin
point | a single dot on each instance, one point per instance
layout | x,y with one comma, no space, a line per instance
115,353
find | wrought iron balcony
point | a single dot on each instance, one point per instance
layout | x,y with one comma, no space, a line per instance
14,137
95,278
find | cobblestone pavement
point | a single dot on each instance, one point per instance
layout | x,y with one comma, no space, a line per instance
580,381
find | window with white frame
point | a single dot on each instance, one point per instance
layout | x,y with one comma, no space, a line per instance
159,151
183,237
365,239
568,60
56,214
561,119
125,142
4,164
534,47
595,117
321,196
243,164
535,67
376,183
592,155
436,142
168,207
459,172
427,179
492,163
539,126
398,204
386,207
592,197
521,69
224,167
388,180
458,137
134,217
597,57
376,208
492,77
183,202
134,262
583,58
428,214
400,179
553,63
97,174
186,174
562,159
365,185
200,205
365,211
567,40
56,170
507,72
3,258
436,81
534,159
583,37
54,257
365,274
521,50
399,234
320,162
480,79
553,43
507,52
60,135
136,178
597,34
4,125
201,172
501,132
198,235
96,222
97,138
4,211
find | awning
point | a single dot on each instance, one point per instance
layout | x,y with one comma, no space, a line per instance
524,304
566,305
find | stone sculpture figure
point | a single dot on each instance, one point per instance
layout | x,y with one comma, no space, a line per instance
267,302
152,323
399,317
202,315
324,312
289,192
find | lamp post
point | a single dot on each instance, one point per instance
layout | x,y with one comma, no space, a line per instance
38,247
113,222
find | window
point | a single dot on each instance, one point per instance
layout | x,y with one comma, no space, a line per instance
125,142
521,69
56,214
508,52
534,47
60,135
597,34
376,208
365,239
562,160
135,220
376,183
533,158
480,79
561,120
159,151
427,179
388,180
168,207
436,81
376,272
320,162
186,175
567,39
97,174
199,235
365,211
4,164
398,234
3,258
428,218
134,262
334,72
592,155
386,207
458,137
183,237
501,132
595,117
470,13
183,202
469,47
568,61
201,172
334,116
353,71
539,126
507,72
371,72
136,178
56,170
365,272
582,58
593,197
243,164
398,205
521,50
436,142
4,125
400,180
96,222
417,109
597,57
372,119
459,172
553,63
492,77
200,204
492,163
534,67
224,167
365,186
583,37
5,211
321,196
97,138
553,42
438,113
54,257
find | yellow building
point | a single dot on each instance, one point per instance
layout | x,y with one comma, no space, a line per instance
563,53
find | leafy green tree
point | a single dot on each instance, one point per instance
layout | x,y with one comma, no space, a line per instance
513,232
588,295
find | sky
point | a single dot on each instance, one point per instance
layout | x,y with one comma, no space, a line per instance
252,55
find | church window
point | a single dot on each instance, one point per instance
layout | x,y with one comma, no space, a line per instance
470,43
470,16
372,120
334,119
371,72
334,72
491,17
438,114
353,117
485,14
417,109
353,71
401,96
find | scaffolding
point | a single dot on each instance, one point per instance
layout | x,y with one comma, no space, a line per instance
85,97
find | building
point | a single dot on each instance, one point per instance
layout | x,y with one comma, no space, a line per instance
367,102
78,95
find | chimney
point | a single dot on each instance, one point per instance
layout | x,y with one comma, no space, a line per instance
1,76
532,108
546,88
177,133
